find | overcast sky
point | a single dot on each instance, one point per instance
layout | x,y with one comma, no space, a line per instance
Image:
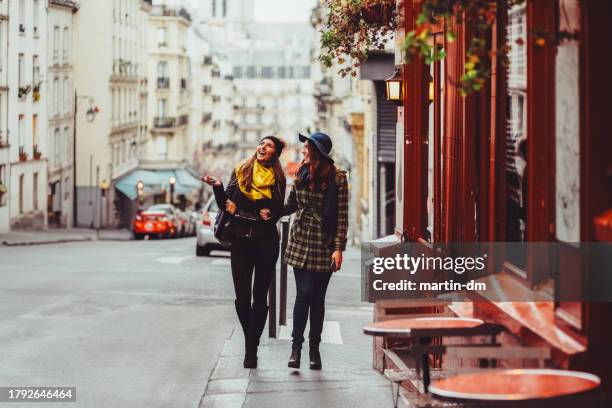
283,10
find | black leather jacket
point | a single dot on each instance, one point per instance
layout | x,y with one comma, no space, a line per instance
247,223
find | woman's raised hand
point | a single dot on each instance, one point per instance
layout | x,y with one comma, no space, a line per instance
265,214
230,207
211,181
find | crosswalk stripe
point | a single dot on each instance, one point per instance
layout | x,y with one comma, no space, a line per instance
331,332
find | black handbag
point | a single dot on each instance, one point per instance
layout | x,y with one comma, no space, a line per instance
223,228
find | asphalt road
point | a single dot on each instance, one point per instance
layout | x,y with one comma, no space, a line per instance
130,324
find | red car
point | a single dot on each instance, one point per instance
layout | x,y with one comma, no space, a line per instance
153,223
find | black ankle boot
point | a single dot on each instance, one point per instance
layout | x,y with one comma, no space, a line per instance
294,360
315,357
250,357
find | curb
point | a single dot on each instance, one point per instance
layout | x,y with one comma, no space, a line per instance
56,241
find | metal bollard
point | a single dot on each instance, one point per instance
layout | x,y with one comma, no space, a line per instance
283,285
283,272
272,309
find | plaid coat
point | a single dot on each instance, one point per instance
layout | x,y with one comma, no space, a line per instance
309,247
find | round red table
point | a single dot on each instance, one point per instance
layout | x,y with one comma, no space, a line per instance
515,385
424,329
406,327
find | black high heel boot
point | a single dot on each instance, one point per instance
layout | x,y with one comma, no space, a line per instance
256,326
250,357
315,357
294,360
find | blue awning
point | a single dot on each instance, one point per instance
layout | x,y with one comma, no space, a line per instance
156,181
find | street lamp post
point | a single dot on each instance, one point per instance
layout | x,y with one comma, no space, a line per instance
104,186
90,115
172,183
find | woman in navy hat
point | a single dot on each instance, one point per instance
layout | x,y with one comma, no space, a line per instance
317,239
256,184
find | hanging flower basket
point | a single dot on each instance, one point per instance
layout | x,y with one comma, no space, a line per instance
354,28
377,13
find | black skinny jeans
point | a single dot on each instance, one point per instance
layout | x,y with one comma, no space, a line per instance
248,255
310,297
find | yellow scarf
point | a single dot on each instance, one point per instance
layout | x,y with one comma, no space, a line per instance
263,180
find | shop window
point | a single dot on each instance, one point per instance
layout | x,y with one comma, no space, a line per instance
516,137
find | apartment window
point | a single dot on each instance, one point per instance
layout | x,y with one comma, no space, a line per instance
67,149
1,42
56,95
214,8
161,108
162,70
21,70
161,37
224,8
35,16
21,130
56,45
66,45
35,192
122,151
162,147
35,71
56,148
34,130
21,182
66,93
22,16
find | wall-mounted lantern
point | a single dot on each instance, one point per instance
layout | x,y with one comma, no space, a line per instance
395,88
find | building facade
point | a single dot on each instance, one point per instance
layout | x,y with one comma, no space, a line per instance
169,88
60,86
523,160
4,136
269,64
108,101
27,113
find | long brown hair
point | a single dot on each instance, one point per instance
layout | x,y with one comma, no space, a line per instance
280,182
320,168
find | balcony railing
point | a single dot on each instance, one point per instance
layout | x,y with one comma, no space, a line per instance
163,83
164,122
66,3
165,11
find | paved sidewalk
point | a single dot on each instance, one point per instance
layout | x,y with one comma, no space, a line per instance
346,380
56,236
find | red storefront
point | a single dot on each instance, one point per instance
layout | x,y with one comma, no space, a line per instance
528,158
